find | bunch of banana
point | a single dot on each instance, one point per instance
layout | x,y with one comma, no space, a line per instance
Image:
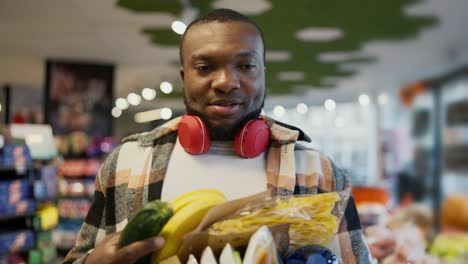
189,210
311,218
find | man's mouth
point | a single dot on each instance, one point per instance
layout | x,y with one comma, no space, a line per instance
225,107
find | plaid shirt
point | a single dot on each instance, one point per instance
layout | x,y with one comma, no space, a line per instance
133,174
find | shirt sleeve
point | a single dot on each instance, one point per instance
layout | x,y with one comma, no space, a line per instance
349,241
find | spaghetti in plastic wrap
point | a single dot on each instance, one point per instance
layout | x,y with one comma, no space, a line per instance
313,219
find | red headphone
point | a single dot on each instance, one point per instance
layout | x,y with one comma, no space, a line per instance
250,142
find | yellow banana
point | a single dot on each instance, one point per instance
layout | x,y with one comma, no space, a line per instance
184,221
178,204
188,197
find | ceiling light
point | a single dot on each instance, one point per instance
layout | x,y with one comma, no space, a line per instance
382,99
151,115
0,107
319,34
292,76
166,113
339,121
121,103
134,99
364,100
178,27
116,112
166,87
279,111
277,55
302,108
148,93
337,56
330,105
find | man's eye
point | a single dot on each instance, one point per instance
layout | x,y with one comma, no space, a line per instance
203,68
248,67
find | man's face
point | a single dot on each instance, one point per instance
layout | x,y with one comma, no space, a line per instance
223,73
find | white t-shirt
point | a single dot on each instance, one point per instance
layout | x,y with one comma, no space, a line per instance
220,168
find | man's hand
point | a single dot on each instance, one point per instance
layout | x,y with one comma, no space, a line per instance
106,252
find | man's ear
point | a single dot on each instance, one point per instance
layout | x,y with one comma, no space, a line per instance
181,71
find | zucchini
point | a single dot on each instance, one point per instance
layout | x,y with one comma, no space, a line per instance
147,222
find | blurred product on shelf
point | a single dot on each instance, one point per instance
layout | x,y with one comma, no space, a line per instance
451,247
45,185
366,194
79,167
16,198
65,234
79,144
454,215
47,217
74,209
15,156
76,188
16,241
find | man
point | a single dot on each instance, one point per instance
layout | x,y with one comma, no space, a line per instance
223,70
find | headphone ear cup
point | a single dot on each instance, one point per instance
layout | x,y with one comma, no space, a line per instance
252,139
193,135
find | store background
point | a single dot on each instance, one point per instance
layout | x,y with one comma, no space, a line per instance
381,87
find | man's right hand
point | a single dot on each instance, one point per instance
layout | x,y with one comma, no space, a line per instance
106,251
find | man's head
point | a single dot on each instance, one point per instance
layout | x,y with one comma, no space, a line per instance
222,56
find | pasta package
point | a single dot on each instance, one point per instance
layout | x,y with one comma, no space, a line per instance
311,218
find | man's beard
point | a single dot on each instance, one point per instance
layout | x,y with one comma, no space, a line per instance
224,133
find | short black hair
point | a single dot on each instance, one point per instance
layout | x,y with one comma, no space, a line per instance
221,15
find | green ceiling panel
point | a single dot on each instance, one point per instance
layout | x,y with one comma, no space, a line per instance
361,21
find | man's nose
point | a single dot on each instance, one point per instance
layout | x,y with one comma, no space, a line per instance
226,80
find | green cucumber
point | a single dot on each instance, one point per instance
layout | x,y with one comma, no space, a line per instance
147,222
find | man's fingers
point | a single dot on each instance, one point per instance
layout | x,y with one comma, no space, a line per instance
136,250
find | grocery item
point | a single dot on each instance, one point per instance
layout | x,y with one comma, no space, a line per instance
186,219
310,217
189,197
312,254
147,222
261,248
228,256
208,257
451,247
192,260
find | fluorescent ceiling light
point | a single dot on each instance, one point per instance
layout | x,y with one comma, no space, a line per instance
364,100
116,112
179,27
330,105
277,55
148,94
147,116
302,108
319,34
292,76
382,99
338,56
121,103
166,87
134,99
279,111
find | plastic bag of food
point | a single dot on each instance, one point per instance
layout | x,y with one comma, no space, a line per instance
294,221
313,219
